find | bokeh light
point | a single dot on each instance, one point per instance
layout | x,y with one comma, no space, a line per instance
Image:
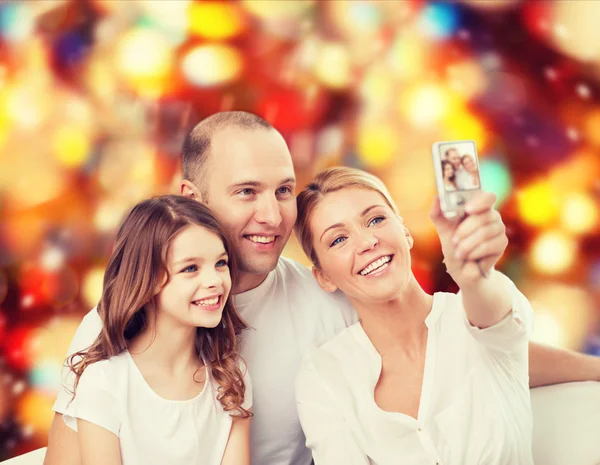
553,252
377,143
145,59
212,64
580,213
538,204
34,410
92,286
496,178
440,20
215,20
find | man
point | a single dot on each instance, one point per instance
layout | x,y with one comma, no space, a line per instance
240,166
461,175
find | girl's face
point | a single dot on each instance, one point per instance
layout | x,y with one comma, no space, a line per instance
199,284
362,246
448,171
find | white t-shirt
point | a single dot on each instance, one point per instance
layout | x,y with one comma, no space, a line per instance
113,394
288,313
474,408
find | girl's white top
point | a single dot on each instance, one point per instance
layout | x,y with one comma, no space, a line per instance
152,430
474,407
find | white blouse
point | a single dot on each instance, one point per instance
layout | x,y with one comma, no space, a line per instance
474,408
113,394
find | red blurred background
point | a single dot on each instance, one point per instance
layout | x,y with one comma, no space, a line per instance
96,97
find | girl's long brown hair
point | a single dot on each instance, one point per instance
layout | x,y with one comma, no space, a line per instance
135,275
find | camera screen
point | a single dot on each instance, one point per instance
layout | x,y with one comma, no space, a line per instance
460,169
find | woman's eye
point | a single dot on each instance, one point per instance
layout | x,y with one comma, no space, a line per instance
376,220
337,240
221,263
190,269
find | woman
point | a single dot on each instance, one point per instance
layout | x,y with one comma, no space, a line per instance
472,180
420,379
449,176
163,383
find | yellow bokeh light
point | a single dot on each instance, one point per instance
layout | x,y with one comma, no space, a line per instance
467,78
460,124
538,204
579,213
332,66
92,286
553,252
145,59
71,146
212,64
277,10
580,171
215,20
427,104
408,57
377,144
34,410
563,314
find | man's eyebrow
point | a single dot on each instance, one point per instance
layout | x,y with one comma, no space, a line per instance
339,225
258,184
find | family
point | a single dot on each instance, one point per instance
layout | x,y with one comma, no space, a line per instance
459,172
209,347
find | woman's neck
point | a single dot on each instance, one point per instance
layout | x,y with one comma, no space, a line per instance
168,345
398,324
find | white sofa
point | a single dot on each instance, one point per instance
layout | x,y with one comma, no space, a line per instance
566,427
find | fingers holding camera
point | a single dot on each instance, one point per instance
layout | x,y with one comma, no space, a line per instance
481,241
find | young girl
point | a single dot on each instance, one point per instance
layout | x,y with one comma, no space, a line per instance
420,379
163,383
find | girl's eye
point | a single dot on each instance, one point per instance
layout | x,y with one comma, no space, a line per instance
337,240
190,269
221,263
376,220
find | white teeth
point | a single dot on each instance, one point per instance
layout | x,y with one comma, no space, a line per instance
375,265
207,302
262,239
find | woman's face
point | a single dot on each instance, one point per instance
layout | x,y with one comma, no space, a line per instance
448,171
469,164
362,246
199,284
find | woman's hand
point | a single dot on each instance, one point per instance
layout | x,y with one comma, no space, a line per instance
471,247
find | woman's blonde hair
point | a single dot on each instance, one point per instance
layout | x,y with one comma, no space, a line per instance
136,273
325,182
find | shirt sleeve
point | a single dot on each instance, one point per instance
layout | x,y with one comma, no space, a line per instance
512,333
248,385
327,434
86,334
94,401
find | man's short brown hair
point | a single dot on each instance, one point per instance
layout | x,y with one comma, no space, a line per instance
196,146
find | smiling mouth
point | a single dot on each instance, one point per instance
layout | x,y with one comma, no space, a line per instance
377,265
208,302
261,239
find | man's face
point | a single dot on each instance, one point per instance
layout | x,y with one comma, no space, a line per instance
250,186
454,158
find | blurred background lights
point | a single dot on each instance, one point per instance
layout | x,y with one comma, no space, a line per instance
563,314
495,178
16,21
215,20
145,59
332,66
376,144
538,204
439,20
92,286
580,213
553,252
427,104
212,64
71,146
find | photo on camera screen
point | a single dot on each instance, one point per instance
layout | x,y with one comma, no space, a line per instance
460,168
